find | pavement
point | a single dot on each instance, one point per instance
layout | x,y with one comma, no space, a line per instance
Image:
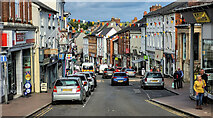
24,106
182,101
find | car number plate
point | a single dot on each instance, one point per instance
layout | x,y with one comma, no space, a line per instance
66,89
154,80
120,80
109,74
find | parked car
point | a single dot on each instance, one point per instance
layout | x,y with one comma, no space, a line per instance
70,88
90,79
84,80
119,78
152,79
94,77
118,69
130,72
123,69
108,72
102,67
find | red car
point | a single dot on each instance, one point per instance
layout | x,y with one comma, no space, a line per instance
118,69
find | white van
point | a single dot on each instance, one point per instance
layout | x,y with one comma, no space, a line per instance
88,67
102,67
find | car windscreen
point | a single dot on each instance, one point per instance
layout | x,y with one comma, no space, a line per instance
154,75
129,70
66,82
109,69
120,74
88,67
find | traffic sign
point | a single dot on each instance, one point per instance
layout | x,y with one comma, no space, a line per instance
28,77
61,56
3,58
27,85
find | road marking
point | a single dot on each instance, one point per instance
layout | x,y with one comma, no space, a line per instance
87,100
167,109
146,94
44,111
137,91
134,80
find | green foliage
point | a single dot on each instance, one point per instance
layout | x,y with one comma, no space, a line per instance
82,25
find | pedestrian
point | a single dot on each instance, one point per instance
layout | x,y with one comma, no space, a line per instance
204,77
154,69
176,79
143,71
180,72
199,86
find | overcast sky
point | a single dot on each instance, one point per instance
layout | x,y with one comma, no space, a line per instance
103,11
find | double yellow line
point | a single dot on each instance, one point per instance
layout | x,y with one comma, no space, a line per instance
168,109
43,112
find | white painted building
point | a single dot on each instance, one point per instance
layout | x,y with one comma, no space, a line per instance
85,49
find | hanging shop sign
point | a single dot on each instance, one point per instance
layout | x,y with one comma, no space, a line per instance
68,56
116,58
201,17
44,87
51,51
61,56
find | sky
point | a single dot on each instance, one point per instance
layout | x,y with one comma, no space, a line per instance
104,11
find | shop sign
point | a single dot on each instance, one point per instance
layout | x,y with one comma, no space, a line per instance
116,58
51,51
68,56
145,57
201,17
127,50
158,55
61,56
20,37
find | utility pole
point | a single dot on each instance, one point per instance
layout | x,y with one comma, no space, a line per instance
192,61
5,86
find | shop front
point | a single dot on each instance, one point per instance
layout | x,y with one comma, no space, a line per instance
201,14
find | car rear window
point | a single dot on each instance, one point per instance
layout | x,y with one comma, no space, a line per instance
109,69
129,70
154,75
86,74
81,77
120,74
67,82
88,67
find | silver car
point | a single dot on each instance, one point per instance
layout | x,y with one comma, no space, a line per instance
152,79
130,72
85,81
68,89
90,79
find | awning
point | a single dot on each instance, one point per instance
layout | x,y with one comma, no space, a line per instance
138,60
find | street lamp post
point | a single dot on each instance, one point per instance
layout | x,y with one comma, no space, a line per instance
192,61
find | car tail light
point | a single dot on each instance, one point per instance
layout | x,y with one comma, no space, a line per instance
134,72
145,79
78,89
54,89
105,71
125,77
126,72
114,77
85,83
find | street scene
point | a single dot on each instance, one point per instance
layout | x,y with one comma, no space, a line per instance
67,58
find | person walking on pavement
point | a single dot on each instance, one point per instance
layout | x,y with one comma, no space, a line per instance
199,86
176,78
204,77
180,72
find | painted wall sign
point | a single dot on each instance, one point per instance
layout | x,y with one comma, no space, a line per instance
51,51
201,17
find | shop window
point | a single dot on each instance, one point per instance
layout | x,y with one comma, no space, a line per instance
207,53
184,46
196,46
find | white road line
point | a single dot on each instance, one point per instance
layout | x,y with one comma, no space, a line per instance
146,94
87,100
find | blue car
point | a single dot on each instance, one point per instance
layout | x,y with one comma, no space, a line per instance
119,78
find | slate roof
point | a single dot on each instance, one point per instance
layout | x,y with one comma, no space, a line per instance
170,8
105,31
210,4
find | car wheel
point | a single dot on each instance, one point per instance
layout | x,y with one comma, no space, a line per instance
112,84
162,87
82,101
54,102
87,94
127,83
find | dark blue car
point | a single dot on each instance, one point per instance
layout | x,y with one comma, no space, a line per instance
119,78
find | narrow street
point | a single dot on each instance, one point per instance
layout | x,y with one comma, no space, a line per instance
109,100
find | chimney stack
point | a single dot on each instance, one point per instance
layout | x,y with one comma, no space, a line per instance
154,8
144,13
117,20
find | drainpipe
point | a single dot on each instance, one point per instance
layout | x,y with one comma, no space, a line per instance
192,61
